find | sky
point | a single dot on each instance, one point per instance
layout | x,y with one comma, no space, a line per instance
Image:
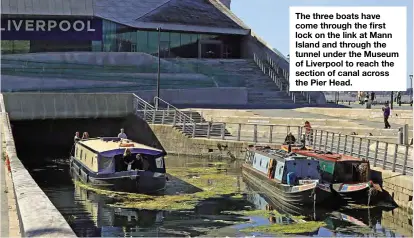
270,19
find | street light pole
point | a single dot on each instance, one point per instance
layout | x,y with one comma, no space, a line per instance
392,99
159,68
411,81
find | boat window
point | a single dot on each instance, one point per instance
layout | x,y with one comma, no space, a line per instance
85,156
294,163
76,151
92,161
80,157
267,165
159,163
260,163
281,169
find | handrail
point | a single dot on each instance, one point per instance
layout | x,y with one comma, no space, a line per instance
176,109
143,101
280,82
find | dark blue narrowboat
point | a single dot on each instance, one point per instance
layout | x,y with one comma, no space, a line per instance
119,165
295,179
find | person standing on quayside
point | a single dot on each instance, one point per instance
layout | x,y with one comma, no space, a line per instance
372,98
386,111
122,134
399,98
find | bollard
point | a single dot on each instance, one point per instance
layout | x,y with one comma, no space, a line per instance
401,138
405,134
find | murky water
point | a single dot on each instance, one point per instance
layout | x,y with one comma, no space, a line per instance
91,214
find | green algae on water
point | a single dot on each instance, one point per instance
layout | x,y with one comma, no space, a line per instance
258,213
294,228
210,182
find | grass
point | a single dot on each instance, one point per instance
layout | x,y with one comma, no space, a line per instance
212,184
294,228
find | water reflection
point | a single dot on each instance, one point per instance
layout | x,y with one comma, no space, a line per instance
91,214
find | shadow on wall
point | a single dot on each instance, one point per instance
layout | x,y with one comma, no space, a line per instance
57,135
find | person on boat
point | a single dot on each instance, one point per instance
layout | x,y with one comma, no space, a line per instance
122,134
145,164
128,159
85,136
139,164
290,139
77,137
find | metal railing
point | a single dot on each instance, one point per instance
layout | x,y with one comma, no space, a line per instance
390,156
281,82
165,114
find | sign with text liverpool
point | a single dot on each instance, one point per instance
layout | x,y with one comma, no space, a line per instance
51,29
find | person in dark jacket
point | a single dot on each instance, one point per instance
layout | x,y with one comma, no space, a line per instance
399,98
386,112
290,139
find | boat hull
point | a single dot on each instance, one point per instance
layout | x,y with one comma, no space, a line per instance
304,195
355,193
126,181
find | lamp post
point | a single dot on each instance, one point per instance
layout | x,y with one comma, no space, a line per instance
159,68
411,81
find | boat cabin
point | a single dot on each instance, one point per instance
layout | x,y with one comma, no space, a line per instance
304,169
109,155
338,168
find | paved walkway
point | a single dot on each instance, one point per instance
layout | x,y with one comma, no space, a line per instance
292,113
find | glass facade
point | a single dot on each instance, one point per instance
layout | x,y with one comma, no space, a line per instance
119,38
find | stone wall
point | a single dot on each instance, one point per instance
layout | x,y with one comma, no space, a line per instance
37,215
400,187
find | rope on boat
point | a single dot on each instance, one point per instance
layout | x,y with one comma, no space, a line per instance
369,195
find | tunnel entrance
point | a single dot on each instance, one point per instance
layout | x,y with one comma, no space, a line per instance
44,147
55,137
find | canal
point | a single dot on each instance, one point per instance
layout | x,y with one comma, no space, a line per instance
204,197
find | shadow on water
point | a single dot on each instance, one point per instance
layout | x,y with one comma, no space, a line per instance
91,214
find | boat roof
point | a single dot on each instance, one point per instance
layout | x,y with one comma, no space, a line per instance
298,157
335,157
104,144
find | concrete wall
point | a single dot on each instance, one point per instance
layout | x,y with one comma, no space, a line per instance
177,143
37,215
200,96
23,106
